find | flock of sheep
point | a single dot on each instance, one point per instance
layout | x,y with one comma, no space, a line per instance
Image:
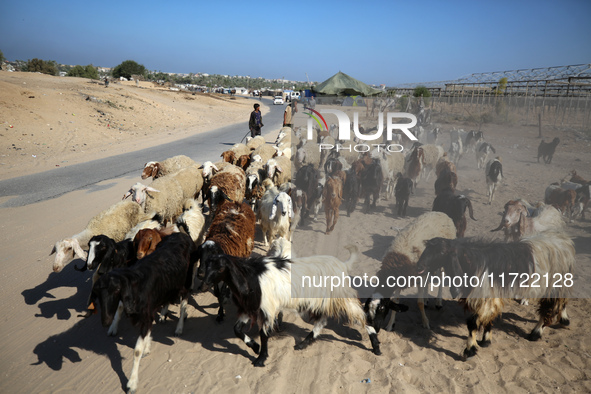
199,221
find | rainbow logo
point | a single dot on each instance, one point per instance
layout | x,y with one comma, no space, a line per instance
316,119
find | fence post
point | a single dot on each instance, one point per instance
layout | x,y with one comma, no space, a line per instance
540,125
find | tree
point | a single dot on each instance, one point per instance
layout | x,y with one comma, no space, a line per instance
46,67
502,86
2,58
84,72
421,91
129,68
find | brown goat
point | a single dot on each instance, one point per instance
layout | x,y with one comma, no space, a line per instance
228,156
243,162
577,179
446,179
333,196
444,163
416,162
561,199
146,240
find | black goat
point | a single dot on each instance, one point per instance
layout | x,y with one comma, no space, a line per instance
454,207
158,279
546,150
351,191
402,191
372,179
307,179
104,255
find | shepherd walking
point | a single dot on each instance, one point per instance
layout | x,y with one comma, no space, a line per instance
256,121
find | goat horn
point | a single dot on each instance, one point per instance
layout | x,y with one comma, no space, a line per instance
498,228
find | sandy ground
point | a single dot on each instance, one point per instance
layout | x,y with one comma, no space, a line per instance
46,348
47,122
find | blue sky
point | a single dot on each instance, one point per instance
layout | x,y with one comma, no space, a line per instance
387,42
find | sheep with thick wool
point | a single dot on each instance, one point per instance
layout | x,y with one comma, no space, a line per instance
274,212
164,196
114,222
309,153
191,180
279,170
230,183
231,232
240,150
192,220
156,169
401,260
254,143
265,151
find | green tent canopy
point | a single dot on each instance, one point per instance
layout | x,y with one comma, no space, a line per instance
341,84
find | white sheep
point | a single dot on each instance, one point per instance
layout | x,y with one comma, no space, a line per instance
265,151
209,169
240,150
254,143
192,220
168,166
113,222
190,179
279,170
164,196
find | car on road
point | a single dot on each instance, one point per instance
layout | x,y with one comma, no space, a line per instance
278,100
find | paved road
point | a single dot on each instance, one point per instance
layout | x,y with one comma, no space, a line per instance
54,183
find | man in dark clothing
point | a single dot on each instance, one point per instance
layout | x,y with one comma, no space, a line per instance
256,121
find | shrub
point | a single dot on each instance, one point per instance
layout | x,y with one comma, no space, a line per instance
42,66
84,72
422,91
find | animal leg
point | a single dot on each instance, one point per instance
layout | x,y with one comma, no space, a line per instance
392,320
319,324
163,314
182,316
115,324
264,354
472,344
486,335
138,352
220,296
549,309
373,337
421,303
238,327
